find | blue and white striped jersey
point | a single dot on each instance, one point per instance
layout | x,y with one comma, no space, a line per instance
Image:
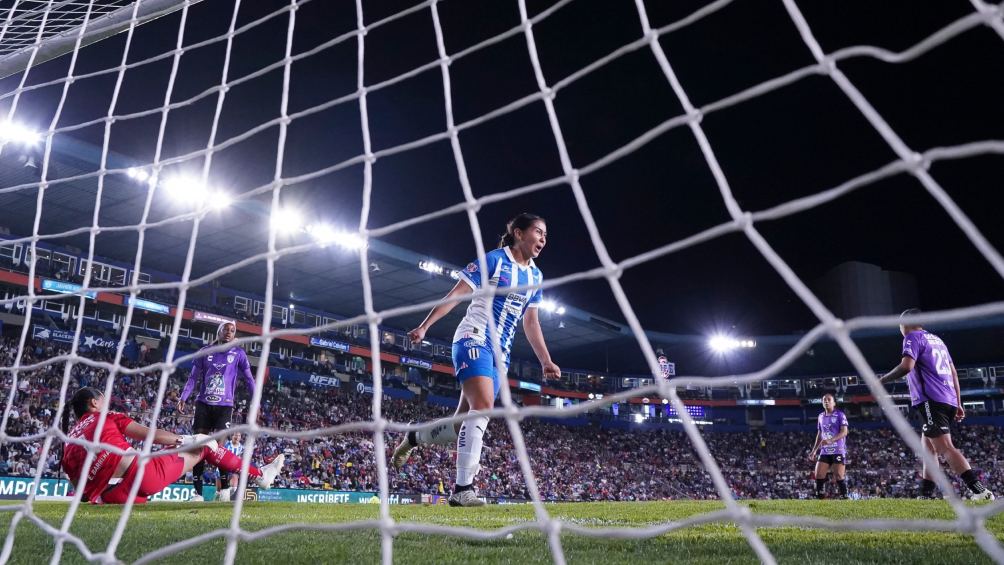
505,309
235,448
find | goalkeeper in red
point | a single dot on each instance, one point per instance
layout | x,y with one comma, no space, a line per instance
511,265
160,471
936,399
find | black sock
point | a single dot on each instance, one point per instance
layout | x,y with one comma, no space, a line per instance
197,471
973,482
412,440
926,487
462,488
842,485
820,488
224,480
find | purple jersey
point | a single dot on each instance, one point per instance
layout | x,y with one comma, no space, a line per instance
829,426
216,376
931,377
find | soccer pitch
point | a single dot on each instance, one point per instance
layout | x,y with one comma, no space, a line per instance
160,524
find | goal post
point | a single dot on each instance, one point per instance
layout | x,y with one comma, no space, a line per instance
19,31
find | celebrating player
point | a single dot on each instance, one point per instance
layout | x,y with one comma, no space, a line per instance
936,399
216,376
831,434
161,470
474,360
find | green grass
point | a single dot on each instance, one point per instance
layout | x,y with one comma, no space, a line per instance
158,524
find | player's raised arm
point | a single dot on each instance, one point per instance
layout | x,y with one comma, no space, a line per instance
899,371
460,289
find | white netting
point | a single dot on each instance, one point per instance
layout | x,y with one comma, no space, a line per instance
40,15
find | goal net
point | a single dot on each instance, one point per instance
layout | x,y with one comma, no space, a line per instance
62,33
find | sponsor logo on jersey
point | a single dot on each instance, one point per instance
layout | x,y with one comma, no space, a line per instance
213,398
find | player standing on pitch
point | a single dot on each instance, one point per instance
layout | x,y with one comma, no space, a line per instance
215,375
510,265
936,399
831,437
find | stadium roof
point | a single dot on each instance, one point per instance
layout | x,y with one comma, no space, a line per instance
324,278
329,278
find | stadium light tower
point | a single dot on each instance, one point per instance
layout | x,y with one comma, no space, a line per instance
431,267
185,189
288,220
325,235
13,132
723,344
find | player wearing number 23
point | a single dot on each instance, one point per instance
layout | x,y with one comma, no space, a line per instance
937,401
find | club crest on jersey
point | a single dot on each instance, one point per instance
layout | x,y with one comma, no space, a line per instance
231,357
472,267
503,280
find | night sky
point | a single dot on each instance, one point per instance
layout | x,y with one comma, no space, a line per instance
799,140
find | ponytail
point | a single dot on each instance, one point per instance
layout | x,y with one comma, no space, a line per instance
64,420
521,222
79,403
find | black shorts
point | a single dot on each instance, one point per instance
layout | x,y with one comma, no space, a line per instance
837,459
209,418
935,417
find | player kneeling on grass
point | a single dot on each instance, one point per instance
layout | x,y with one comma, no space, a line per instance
161,470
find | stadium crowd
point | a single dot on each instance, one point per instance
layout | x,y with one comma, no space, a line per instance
589,462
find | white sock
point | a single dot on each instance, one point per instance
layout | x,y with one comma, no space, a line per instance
442,434
469,443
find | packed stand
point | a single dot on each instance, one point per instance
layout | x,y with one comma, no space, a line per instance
570,462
